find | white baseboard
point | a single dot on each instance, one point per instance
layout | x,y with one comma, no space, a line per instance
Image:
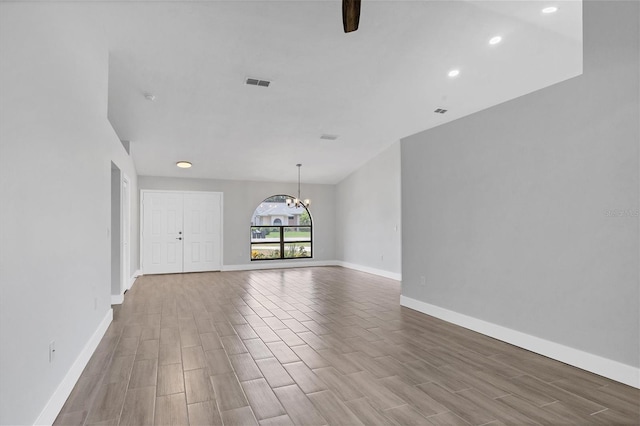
611,369
274,264
380,272
136,274
59,397
117,299
304,264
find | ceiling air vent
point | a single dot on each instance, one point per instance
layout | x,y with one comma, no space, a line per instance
256,82
440,111
329,137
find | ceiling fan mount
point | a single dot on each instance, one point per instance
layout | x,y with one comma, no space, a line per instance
350,15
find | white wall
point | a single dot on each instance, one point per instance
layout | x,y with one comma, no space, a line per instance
241,198
368,215
508,207
56,148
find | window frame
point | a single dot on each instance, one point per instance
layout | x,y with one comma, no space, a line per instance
282,242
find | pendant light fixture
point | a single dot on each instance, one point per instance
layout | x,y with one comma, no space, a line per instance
298,202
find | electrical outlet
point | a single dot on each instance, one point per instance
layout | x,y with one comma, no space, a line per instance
52,351
423,280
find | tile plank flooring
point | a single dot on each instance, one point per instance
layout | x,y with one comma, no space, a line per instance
318,346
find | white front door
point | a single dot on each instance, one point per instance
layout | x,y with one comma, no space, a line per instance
181,232
162,232
202,218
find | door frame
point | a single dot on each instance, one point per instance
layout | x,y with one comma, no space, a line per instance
151,191
115,238
125,227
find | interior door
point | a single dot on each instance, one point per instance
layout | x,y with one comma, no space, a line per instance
202,232
162,232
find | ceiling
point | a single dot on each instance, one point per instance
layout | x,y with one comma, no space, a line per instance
370,88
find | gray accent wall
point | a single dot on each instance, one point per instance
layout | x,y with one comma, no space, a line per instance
241,198
368,214
525,215
55,182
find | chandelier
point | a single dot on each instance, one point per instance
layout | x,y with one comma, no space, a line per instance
298,202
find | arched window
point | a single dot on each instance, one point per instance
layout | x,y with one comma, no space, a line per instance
279,231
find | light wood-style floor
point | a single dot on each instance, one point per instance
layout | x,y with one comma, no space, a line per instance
315,346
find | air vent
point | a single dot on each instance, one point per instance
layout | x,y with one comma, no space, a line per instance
440,111
329,137
256,82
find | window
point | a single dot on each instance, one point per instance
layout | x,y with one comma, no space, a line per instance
271,239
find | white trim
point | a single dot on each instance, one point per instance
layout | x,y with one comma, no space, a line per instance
386,274
117,299
611,369
141,231
62,392
274,264
221,230
125,222
136,274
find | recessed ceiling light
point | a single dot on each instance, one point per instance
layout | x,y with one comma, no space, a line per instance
495,40
183,164
550,9
453,73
